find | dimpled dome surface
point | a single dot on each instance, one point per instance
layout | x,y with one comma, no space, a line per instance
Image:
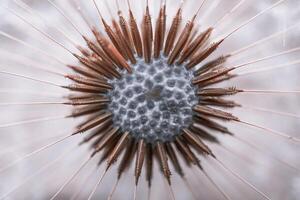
155,101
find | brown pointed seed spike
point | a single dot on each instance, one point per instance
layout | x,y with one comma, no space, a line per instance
89,81
161,153
125,29
212,75
174,159
115,38
109,136
202,55
127,158
124,43
212,64
88,101
203,121
214,113
117,149
103,130
173,32
217,92
92,123
85,88
182,40
114,54
147,33
160,31
135,33
186,152
196,142
195,45
139,160
149,164
95,134
84,71
204,134
89,64
213,101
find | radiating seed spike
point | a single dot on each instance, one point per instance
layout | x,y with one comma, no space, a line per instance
114,54
124,43
125,28
127,158
213,101
149,164
84,51
89,64
209,76
97,48
118,148
102,134
174,159
184,37
85,88
86,110
195,45
160,31
212,64
214,113
162,155
218,91
98,133
207,122
139,159
95,100
182,40
126,32
173,32
115,39
89,81
137,40
84,71
147,33
186,152
108,148
109,136
92,123
204,134
196,142
216,80
198,58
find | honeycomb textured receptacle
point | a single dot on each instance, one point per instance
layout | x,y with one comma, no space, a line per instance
154,102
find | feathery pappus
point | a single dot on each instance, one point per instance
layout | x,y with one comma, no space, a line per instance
151,94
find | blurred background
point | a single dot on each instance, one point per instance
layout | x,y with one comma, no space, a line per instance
267,168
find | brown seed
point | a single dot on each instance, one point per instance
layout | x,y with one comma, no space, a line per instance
117,149
214,113
161,153
135,33
139,159
203,54
173,32
147,36
182,40
195,45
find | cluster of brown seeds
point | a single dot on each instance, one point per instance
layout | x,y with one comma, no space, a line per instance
106,58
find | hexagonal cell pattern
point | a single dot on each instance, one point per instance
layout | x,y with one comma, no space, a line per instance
154,102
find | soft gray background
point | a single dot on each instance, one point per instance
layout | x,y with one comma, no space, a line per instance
260,168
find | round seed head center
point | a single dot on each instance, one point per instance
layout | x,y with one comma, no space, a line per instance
154,102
